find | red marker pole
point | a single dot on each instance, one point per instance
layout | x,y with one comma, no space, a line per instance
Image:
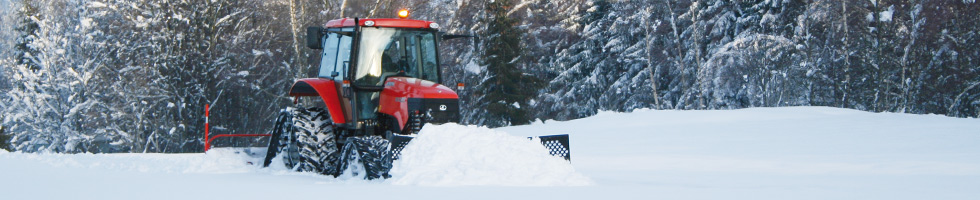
207,113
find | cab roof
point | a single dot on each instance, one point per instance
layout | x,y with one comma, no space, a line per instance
395,23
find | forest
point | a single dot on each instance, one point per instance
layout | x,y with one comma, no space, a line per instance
105,76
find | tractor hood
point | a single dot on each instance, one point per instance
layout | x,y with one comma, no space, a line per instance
404,96
417,88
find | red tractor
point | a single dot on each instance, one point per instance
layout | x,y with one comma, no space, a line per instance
380,82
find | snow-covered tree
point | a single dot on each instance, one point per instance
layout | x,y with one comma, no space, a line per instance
755,70
52,104
506,87
949,76
607,69
4,139
134,75
27,27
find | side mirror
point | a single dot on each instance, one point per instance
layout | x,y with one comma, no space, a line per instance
314,37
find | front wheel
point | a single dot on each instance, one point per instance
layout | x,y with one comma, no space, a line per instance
305,140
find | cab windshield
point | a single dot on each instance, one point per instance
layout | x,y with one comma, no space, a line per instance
391,51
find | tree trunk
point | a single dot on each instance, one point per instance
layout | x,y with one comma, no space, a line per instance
649,43
294,26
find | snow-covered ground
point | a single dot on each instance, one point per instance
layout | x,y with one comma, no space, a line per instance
759,153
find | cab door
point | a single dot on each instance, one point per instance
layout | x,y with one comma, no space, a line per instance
335,61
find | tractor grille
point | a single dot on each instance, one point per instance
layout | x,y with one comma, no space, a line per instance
436,111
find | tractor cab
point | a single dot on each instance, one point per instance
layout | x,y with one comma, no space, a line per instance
382,51
368,58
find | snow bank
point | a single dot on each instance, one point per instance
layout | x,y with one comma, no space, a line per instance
216,161
457,155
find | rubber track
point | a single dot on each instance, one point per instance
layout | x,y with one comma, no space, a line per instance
370,153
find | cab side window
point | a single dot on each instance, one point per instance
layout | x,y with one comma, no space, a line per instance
336,55
428,71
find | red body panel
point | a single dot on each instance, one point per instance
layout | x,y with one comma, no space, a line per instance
397,90
397,23
327,90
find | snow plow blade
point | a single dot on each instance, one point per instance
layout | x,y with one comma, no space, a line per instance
557,145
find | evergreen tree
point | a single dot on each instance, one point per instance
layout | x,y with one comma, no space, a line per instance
576,86
600,9
28,27
133,75
608,68
4,138
949,79
507,86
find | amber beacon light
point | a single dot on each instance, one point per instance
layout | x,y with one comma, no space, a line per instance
403,13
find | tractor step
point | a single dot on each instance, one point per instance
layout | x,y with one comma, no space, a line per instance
557,145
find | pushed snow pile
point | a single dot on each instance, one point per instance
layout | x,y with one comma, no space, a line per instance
457,155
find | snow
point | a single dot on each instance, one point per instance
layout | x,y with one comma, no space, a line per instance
141,22
758,153
95,4
457,155
473,67
86,22
886,16
518,7
227,17
256,52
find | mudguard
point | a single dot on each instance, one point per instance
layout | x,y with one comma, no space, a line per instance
327,89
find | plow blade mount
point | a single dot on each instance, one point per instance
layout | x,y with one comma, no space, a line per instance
557,145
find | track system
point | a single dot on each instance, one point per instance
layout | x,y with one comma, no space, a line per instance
307,140
367,155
